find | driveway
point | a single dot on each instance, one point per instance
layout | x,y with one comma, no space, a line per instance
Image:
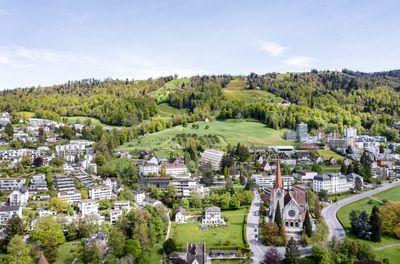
329,212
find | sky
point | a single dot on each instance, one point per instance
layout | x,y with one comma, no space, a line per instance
51,42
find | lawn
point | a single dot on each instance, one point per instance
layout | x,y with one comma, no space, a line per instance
327,153
235,90
82,120
230,235
5,147
367,204
166,111
64,252
392,254
229,131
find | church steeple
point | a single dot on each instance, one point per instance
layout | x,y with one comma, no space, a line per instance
278,179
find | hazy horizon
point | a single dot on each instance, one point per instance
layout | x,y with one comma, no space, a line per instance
51,42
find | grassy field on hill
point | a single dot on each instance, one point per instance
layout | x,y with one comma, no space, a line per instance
161,94
367,204
166,111
327,153
235,90
230,131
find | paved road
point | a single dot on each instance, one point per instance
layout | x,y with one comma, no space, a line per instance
330,211
252,228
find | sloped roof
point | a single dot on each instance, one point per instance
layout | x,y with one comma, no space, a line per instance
42,260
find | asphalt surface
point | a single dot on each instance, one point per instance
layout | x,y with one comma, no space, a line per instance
252,229
330,211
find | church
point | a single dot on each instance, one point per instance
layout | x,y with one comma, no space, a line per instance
292,202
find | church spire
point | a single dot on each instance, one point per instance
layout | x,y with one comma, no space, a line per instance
278,179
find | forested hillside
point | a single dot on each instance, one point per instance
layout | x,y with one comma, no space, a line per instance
326,100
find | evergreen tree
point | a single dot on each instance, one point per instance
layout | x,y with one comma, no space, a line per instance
292,254
14,227
376,225
317,209
278,217
9,130
343,168
350,169
307,227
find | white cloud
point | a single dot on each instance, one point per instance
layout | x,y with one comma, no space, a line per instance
23,66
299,61
272,48
16,55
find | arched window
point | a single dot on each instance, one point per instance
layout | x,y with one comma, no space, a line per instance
291,224
286,223
296,224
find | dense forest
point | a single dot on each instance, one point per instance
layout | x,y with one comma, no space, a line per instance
326,100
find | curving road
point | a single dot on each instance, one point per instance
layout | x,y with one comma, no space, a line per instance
329,212
252,229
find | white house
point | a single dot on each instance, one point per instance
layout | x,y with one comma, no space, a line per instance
149,168
115,214
6,212
185,187
88,207
212,217
38,183
331,182
19,197
305,176
100,192
139,197
180,216
122,205
11,183
73,196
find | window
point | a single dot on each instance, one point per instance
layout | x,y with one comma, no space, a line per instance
292,213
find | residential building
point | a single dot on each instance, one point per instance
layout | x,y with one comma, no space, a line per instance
180,216
212,156
11,183
139,197
38,183
63,183
290,135
197,254
212,217
73,196
339,142
7,211
122,205
350,132
19,197
268,180
115,214
148,168
88,207
283,149
45,212
331,182
174,167
305,176
100,192
302,131
185,187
